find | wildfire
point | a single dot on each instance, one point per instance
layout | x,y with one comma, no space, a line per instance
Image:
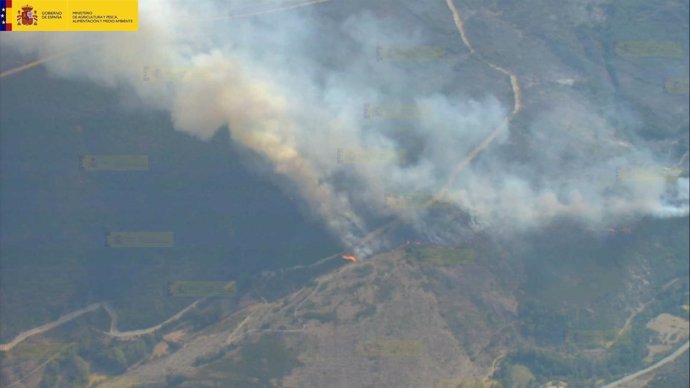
352,258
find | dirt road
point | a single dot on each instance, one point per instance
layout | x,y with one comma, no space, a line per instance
670,358
48,326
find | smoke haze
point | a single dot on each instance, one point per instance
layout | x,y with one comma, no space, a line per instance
292,86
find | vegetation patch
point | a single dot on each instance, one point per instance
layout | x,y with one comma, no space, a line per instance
389,348
258,364
28,351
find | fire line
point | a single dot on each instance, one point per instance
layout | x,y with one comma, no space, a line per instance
351,258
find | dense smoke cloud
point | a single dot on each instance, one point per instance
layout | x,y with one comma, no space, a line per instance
292,85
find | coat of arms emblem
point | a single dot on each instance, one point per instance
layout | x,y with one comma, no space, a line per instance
27,16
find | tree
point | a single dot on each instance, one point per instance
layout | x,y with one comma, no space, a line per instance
518,376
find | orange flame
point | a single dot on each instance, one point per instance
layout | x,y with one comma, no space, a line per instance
352,258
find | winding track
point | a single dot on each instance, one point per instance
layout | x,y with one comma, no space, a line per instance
137,333
484,144
30,65
21,337
670,358
517,104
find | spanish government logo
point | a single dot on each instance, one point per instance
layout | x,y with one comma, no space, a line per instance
27,16
69,15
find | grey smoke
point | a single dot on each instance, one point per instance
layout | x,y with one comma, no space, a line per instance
292,87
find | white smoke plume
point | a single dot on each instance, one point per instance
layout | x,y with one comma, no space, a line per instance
292,85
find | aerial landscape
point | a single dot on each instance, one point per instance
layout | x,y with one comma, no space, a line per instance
345,194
